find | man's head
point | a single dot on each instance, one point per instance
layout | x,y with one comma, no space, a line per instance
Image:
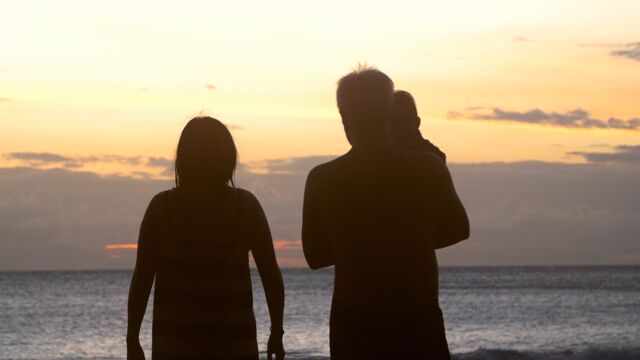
405,115
365,100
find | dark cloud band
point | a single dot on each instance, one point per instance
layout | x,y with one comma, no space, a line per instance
622,154
37,159
630,51
578,119
521,213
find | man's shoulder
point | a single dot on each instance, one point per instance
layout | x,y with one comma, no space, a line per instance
328,167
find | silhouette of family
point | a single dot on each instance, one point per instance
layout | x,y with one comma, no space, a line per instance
377,214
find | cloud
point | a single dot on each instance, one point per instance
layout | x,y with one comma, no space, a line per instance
162,162
521,213
630,51
159,161
575,119
47,159
4,99
601,145
210,86
601,45
292,166
547,213
625,50
43,157
62,219
521,39
127,160
622,154
234,127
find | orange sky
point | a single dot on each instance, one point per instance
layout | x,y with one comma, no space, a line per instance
117,78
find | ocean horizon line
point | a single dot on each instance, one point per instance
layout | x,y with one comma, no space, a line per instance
442,267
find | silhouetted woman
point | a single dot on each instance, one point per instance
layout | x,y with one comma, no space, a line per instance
195,241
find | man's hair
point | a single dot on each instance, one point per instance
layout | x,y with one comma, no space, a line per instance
365,93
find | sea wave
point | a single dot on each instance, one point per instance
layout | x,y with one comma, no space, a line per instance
586,354
632,353
507,354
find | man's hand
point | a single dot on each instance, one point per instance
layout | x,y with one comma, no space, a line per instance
274,346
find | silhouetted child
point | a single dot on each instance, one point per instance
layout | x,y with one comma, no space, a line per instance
405,126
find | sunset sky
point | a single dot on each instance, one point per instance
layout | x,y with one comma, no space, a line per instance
105,88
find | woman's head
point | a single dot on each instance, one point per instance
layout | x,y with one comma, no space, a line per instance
206,154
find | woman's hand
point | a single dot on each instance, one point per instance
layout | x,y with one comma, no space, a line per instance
265,257
274,346
134,350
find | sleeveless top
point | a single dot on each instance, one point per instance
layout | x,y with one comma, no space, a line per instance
203,301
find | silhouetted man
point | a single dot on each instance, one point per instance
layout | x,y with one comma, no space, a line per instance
405,126
378,213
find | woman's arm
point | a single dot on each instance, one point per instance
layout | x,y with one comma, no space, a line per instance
142,279
265,258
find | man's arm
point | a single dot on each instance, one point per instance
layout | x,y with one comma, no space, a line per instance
452,223
315,242
431,147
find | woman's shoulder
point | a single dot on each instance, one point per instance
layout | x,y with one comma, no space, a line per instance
160,200
247,197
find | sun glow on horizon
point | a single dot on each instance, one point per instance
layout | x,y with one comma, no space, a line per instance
121,246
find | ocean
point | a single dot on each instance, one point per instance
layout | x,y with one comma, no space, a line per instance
490,313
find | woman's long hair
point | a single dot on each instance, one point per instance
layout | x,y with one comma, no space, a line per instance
206,154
